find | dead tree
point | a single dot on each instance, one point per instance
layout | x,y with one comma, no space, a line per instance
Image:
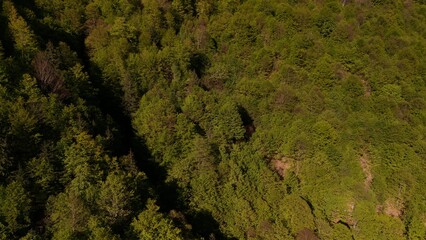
48,76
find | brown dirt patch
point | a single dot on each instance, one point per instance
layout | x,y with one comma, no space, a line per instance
281,166
393,208
367,88
365,163
306,234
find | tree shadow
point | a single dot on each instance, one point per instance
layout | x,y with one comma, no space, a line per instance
56,35
170,197
248,122
108,100
4,33
199,63
206,226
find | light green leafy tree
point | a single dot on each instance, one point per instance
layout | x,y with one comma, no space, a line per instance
152,225
24,38
115,198
15,205
69,215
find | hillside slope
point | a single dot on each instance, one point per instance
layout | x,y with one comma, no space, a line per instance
236,119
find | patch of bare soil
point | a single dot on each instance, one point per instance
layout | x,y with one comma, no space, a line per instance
306,234
350,219
364,160
393,208
424,220
281,166
367,88
346,217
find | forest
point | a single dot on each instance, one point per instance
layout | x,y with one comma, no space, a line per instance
205,119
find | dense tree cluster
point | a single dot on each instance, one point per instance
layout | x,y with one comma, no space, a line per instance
233,119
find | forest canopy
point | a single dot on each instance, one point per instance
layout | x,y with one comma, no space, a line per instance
204,119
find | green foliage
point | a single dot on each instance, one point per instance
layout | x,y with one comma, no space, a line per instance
3,72
69,215
252,119
150,224
100,232
226,124
83,164
15,205
42,168
23,37
155,121
115,198
68,15
299,215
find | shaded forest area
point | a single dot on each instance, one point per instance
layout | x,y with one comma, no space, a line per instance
204,119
